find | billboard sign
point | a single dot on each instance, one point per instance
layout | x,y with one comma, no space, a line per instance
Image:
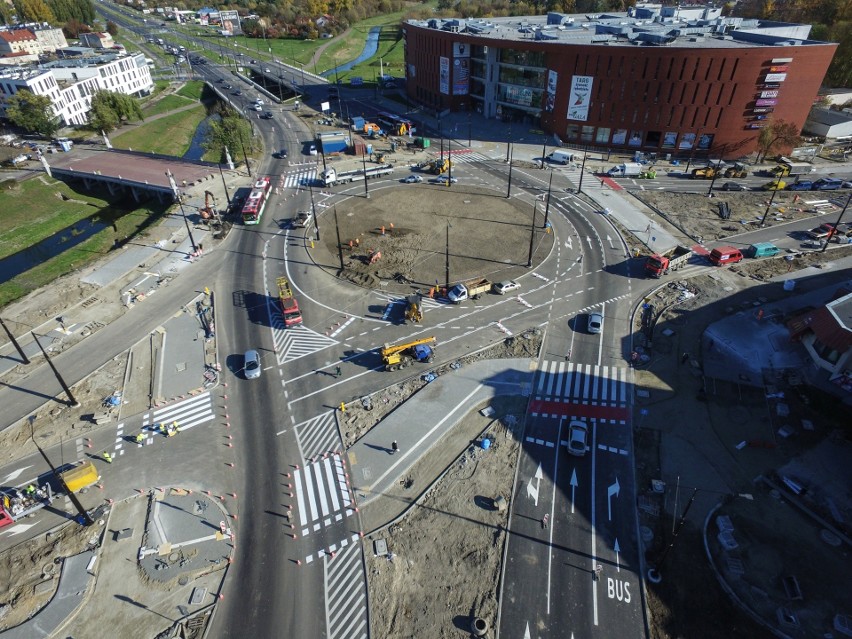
763,103
775,77
444,81
580,97
550,97
230,23
769,94
461,76
461,50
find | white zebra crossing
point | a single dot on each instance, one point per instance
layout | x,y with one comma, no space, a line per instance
188,413
468,158
322,495
582,383
300,178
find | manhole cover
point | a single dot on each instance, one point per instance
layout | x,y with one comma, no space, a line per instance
183,580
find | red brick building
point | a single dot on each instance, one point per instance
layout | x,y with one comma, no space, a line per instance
658,79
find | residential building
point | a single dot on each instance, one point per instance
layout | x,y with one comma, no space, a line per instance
70,83
826,334
33,40
653,79
97,40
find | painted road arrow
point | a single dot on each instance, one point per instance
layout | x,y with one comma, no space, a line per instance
611,490
574,484
15,474
527,631
532,491
617,550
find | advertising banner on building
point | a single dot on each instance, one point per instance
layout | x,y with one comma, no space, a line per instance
461,50
762,103
580,97
230,23
205,20
444,86
775,77
769,94
461,76
550,97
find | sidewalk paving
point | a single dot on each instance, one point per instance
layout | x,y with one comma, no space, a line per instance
422,423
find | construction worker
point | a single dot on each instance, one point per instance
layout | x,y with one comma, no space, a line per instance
140,437
30,490
394,448
338,372
107,457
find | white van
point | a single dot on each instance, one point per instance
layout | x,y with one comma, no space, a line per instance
561,157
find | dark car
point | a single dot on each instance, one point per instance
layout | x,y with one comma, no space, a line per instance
267,115
238,92
800,186
734,186
826,184
228,87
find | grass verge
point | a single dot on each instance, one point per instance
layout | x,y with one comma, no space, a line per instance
169,135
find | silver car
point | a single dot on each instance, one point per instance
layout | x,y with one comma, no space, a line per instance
595,323
578,438
251,365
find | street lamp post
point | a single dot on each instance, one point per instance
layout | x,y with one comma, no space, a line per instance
447,265
715,175
314,211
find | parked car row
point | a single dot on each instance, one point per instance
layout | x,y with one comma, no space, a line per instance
822,184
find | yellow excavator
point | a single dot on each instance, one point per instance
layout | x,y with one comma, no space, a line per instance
439,166
401,355
413,309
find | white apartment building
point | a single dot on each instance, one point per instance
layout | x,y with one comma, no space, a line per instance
33,40
71,83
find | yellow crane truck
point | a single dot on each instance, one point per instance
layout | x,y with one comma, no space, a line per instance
401,355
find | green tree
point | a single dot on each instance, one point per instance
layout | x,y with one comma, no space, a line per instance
230,130
33,11
777,133
112,28
33,113
109,109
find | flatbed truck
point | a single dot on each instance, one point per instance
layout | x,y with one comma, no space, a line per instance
330,176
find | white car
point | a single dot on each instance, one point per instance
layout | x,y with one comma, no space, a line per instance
506,286
578,438
411,179
251,364
259,101
257,107
595,323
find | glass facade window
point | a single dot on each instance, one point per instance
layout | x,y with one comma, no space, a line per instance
670,139
478,51
522,58
635,138
521,96
522,77
572,132
477,87
602,136
587,133
619,137
653,138
478,69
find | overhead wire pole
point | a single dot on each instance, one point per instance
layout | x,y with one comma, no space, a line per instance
364,161
227,195
509,189
84,515
836,224
543,151
547,207
771,200
532,235
339,243
314,211
582,170
24,359
447,271
72,401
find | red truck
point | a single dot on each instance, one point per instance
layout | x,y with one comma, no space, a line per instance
659,264
289,305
